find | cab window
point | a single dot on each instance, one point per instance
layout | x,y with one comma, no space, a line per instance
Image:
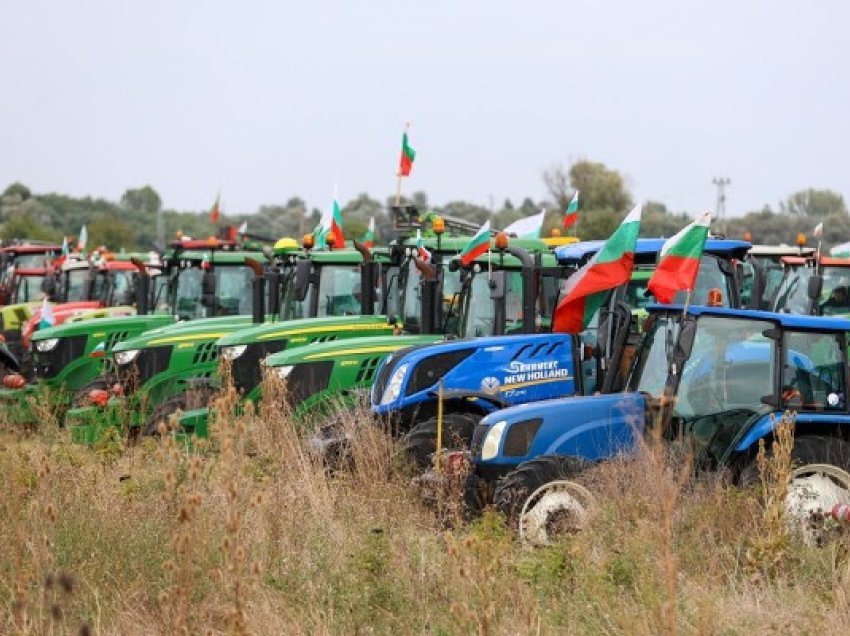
813,377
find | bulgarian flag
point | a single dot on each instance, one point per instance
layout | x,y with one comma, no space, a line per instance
84,238
529,227
336,224
422,252
678,262
408,154
215,212
479,244
609,268
369,237
47,318
572,211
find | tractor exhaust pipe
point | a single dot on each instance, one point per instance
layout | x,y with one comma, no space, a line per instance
529,298
368,276
143,289
258,296
428,319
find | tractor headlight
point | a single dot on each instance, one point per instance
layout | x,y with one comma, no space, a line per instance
46,345
231,353
393,389
490,447
284,371
126,357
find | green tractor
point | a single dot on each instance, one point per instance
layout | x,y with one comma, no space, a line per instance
314,296
70,359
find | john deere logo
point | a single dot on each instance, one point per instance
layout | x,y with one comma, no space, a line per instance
490,385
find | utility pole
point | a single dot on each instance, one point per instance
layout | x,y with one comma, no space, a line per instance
721,183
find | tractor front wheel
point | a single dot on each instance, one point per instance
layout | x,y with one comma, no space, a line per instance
420,442
543,501
184,401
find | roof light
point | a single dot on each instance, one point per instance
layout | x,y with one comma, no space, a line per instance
438,224
556,231
308,241
715,297
330,239
748,236
501,241
801,239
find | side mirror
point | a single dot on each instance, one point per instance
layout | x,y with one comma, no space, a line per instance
498,282
685,342
303,269
815,287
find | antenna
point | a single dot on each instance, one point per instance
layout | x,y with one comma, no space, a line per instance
721,183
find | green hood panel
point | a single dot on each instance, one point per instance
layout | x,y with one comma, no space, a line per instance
119,323
186,332
305,327
350,349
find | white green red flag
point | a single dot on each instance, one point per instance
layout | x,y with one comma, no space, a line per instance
422,252
678,261
529,227
408,154
84,238
584,291
215,211
331,221
336,224
242,228
572,211
818,231
369,237
47,318
477,245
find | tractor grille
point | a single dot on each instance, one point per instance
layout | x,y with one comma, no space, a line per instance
49,363
205,353
306,379
246,370
366,372
148,363
114,338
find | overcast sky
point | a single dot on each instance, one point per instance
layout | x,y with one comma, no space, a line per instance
269,99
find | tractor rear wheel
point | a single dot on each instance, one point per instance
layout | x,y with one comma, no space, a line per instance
187,400
420,442
820,479
542,499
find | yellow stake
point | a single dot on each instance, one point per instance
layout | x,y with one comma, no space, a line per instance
439,424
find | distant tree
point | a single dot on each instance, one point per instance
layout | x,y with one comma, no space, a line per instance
469,211
143,199
17,192
815,203
113,233
20,225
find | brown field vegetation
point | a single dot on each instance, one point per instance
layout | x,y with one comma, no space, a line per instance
249,534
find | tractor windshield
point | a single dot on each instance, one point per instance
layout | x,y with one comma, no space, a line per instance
29,289
233,292
793,295
339,290
76,281
710,276
479,309
412,294
725,382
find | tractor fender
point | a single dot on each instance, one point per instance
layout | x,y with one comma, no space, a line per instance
457,394
763,427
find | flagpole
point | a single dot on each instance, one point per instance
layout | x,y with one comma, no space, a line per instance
398,182
687,304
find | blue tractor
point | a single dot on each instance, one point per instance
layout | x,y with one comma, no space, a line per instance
718,379
482,375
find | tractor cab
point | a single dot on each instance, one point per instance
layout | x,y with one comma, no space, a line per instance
26,257
762,272
814,286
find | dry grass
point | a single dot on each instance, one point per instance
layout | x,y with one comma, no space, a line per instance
250,534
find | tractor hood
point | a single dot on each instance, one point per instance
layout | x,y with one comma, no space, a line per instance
346,350
185,332
299,330
498,369
150,321
591,427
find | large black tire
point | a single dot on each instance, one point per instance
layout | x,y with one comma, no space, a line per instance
420,442
82,394
820,479
513,491
188,400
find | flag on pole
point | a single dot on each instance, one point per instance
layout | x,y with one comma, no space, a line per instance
66,251
423,253
609,268
529,227
369,237
336,223
477,245
215,212
84,238
47,317
818,231
408,154
678,261
243,228
572,211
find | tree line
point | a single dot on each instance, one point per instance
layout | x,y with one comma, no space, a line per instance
131,222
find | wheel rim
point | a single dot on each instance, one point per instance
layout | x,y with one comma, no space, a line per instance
553,510
812,493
